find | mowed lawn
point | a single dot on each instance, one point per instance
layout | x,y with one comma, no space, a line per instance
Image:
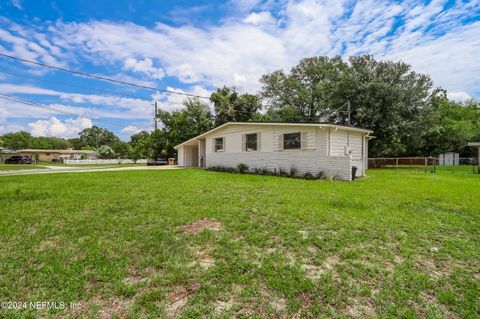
192,243
17,167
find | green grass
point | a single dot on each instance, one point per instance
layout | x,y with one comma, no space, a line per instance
116,243
16,167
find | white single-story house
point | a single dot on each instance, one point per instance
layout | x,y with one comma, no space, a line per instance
49,155
307,147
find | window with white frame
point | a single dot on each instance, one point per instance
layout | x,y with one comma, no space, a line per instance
251,142
292,141
219,144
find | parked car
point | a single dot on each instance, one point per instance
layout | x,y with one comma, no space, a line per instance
158,161
18,160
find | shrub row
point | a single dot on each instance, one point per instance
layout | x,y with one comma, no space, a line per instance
293,173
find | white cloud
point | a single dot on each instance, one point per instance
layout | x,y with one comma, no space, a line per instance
260,18
55,127
130,130
240,49
459,96
144,66
262,36
17,4
11,128
120,106
170,101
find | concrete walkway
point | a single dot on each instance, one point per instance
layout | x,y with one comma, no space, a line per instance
83,169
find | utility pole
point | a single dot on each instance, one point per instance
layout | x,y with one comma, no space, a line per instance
155,115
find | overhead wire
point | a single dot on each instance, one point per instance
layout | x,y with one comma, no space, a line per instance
98,77
51,108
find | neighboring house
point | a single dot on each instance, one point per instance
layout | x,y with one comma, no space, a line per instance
308,147
49,155
6,153
449,159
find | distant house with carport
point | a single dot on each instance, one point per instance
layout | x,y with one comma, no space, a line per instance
49,155
307,147
6,153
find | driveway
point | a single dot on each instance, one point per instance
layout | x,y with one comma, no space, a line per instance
83,169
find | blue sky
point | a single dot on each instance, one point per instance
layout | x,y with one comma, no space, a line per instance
197,46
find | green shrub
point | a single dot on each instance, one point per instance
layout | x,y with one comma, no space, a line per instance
308,176
293,172
242,168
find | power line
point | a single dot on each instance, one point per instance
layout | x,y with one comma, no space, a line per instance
50,108
97,77
112,93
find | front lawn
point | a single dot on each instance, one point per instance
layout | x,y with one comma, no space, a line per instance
192,243
16,167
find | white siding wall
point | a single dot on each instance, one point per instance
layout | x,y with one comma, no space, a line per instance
312,158
323,149
353,142
180,155
190,156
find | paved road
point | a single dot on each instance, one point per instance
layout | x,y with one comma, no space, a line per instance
83,169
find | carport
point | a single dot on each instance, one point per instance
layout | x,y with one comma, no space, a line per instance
192,153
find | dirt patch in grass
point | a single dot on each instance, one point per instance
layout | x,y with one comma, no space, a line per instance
51,243
178,298
222,306
201,225
361,311
314,271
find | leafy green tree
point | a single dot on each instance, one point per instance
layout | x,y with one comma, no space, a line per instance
106,152
18,140
449,126
140,145
179,126
122,149
76,143
385,96
96,136
230,106
305,94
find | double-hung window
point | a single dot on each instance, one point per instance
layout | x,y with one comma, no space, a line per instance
219,144
251,142
292,141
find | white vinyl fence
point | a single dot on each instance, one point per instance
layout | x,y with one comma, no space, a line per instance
105,161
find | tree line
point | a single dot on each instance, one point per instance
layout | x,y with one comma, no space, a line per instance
408,115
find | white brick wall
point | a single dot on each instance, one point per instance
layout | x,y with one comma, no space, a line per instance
323,149
304,161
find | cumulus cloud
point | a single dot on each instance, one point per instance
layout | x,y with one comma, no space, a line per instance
170,101
459,96
130,130
55,127
259,37
240,49
144,66
260,18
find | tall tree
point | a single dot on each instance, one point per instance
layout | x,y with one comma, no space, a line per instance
184,124
96,136
140,145
18,140
384,96
448,126
230,106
